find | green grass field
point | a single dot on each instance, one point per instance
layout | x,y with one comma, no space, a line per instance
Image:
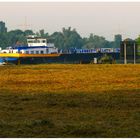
59,100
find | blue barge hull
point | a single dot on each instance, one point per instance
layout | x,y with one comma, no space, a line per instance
68,58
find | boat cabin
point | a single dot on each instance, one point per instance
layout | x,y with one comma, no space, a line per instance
35,45
33,40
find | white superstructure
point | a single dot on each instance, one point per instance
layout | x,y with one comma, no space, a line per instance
35,45
33,40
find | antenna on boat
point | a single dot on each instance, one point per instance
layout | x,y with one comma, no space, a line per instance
25,25
121,30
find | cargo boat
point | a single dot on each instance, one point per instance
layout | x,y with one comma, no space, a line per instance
38,51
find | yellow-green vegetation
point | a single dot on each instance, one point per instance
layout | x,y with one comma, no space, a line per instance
58,100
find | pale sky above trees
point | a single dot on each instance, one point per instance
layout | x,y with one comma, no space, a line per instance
103,18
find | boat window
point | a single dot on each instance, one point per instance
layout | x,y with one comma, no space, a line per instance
41,52
37,52
30,41
27,52
35,41
47,51
38,41
32,52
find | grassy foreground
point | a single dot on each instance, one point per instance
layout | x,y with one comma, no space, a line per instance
70,101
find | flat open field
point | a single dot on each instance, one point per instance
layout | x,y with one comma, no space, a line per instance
70,101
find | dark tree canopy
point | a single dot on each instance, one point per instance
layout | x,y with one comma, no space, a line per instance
65,39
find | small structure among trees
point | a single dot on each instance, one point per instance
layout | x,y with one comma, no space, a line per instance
3,29
128,51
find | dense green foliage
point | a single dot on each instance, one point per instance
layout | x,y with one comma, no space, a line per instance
106,60
66,39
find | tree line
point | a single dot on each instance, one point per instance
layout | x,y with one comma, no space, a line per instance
65,39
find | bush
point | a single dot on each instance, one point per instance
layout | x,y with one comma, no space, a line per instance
106,60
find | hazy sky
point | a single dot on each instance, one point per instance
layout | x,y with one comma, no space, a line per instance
103,18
